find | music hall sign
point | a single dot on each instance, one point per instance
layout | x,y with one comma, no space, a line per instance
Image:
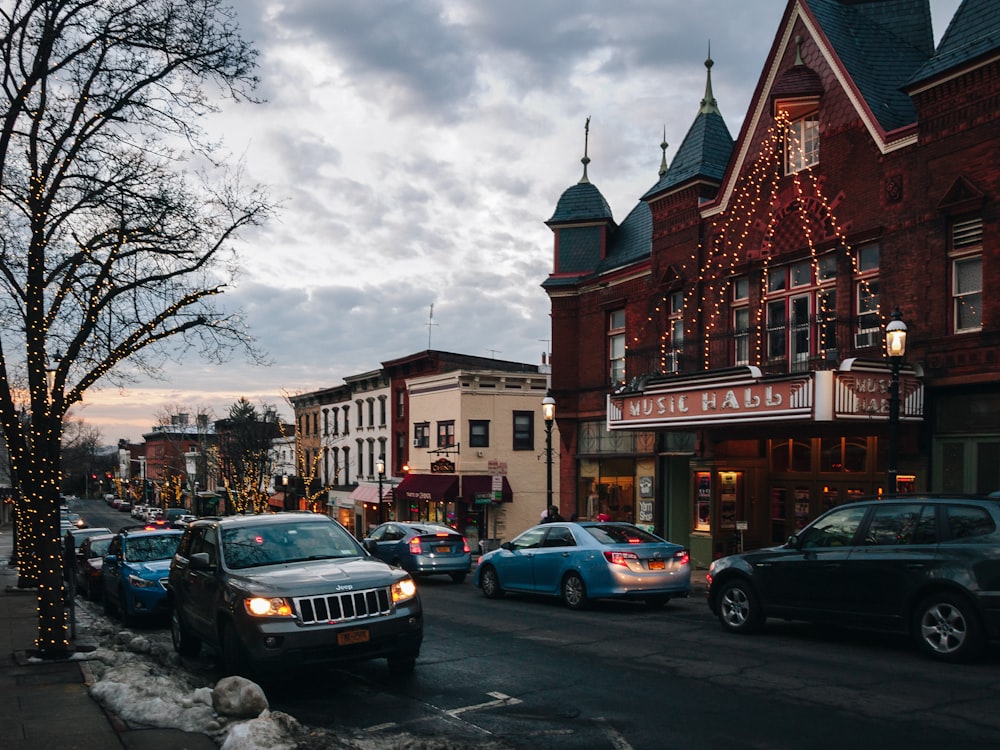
857,390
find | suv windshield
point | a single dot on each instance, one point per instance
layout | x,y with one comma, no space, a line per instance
147,548
274,544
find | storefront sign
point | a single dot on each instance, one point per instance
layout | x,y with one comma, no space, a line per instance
443,466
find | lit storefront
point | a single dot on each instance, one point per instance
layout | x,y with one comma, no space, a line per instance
771,453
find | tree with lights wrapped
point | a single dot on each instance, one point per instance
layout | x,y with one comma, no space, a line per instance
246,461
113,246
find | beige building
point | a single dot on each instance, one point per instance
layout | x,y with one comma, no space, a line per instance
477,458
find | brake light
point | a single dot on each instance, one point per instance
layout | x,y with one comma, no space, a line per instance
683,557
465,545
415,546
620,558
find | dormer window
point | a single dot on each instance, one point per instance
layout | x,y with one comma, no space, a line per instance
801,134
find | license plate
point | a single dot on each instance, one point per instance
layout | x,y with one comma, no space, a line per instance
656,565
444,549
349,637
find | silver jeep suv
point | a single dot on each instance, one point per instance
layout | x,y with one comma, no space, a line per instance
276,592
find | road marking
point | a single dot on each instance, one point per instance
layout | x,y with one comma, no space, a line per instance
617,741
501,700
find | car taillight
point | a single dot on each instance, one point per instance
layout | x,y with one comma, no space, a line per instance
415,546
465,545
620,558
683,557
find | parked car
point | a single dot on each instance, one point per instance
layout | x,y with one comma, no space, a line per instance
276,592
421,548
79,534
88,563
580,562
923,565
134,572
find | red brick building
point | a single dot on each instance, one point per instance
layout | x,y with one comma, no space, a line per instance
719,357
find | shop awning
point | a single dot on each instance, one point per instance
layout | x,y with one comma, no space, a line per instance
368,493
438,488
479,486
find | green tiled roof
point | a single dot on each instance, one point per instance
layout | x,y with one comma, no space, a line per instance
582,202
881,43
974,30
704,152
632,241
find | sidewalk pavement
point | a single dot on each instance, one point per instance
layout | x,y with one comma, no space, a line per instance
47,703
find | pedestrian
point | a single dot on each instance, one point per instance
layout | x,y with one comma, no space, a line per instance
552,515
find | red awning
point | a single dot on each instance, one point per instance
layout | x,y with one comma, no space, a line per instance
480,485
368,493
438,488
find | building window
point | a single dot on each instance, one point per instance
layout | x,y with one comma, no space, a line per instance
741,321
672,359
400,403
381,411
347,465
347,420
361,458
801,142
479,433
616,346
446,434
361,416
524,431
371,458
422,435
967,275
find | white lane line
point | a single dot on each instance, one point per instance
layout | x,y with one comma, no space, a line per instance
501,700
617,741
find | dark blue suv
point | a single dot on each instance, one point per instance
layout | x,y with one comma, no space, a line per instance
924,565
135,572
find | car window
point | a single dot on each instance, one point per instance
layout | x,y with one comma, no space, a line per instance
902,524
530,539
619,533
204,540
559,536
379,534
148,548
98,547
968,523
836,529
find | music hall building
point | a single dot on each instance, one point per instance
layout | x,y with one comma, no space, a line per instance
721,360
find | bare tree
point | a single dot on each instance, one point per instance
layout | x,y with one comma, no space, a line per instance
112,247
245,460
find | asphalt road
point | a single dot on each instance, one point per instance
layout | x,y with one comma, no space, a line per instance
527,673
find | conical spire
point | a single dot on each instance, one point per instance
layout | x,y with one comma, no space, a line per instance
663,148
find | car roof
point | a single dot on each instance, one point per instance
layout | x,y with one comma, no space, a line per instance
262,519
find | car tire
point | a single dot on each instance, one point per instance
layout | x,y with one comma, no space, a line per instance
402,665
574,591
458,577
740,610
185,643
489,582
235,659
947,628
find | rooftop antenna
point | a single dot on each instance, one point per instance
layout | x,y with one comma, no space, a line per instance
430,324
494,352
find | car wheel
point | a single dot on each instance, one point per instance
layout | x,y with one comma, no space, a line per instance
739,607
656,602
574,592
489,581
458,577
401,666
947,629
127,617
235,660
185,644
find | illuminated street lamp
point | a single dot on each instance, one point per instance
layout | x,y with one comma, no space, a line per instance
284,488
549,414
895,348
380,468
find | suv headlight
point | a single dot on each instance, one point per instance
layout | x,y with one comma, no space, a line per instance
403,589
258,606
141,583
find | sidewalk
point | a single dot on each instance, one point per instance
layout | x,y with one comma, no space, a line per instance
47,704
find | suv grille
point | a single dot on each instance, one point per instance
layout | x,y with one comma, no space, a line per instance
352,605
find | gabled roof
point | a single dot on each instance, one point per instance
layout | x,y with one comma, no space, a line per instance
880,44
974,31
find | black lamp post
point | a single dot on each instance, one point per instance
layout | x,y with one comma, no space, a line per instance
549,414
380,468
895,347
284,490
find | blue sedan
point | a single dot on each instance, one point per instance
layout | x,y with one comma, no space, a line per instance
583,561
421,548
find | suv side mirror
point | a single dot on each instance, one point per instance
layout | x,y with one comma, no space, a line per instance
371,545
793,542
199,561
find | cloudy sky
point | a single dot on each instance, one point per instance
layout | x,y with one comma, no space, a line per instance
417,148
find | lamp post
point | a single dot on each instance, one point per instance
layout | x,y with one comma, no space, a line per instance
380,468
284,491
895,347
549,414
